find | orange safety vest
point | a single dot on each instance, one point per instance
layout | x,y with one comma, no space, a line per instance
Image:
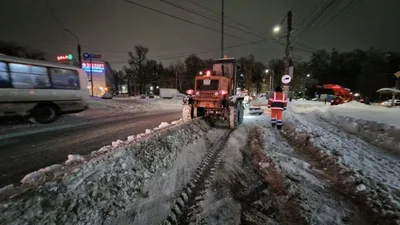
277,101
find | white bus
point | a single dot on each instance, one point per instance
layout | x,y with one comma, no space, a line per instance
41,90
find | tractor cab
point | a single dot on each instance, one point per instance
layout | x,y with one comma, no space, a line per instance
212,92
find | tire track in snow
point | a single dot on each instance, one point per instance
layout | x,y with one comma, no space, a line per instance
186,207
365,158
320,200
373,197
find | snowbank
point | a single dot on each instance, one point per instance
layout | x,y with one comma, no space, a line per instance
378,125
136,105
103,186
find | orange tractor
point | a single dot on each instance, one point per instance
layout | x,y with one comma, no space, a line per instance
215,94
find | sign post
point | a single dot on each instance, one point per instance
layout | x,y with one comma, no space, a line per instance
397,80
286,80
90,57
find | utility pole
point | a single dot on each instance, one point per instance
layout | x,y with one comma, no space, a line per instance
91,75
79,55
222,28
176,80
288,53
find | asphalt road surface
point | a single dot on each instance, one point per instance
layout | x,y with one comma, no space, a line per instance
24,150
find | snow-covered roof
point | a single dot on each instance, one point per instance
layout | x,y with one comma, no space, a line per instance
382,90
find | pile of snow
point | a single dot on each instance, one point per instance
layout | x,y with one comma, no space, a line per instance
134,138
53,170
136,104
103,187
379,125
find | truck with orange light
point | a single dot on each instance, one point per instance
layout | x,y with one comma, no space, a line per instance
215,94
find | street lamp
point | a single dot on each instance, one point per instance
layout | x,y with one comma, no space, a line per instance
267,70
308,75
200,73
276,29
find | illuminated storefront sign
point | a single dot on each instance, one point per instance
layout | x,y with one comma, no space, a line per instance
64,57
96,67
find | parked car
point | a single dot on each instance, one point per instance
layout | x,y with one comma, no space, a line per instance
179,96
107,96
388,103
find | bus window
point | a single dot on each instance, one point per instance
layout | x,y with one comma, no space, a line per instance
29,77
64,79
4,76
41,77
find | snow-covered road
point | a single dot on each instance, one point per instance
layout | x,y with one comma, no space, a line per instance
27,150
311,172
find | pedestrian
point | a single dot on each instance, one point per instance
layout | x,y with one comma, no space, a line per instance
326,99
277,103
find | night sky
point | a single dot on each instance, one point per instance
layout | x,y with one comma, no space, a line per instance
114,27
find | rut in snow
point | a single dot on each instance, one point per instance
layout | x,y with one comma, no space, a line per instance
185,209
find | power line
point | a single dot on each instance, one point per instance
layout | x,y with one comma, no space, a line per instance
180,55
320,13
217,13
185,20
312,13
316,12
209,18
335,4
345,10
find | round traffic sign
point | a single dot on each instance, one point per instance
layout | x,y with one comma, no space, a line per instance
286,79
86,55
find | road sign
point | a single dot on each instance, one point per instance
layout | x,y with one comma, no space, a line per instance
286,79
91,56
95,56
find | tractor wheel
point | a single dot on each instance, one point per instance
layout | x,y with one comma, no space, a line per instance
187,112
233,117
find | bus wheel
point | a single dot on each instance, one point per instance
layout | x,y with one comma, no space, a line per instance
45,114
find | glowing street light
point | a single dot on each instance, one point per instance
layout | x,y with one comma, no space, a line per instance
308,75
276,29
267,70
200,73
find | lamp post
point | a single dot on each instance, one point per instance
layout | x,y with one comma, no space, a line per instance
271,78
304,84
79,46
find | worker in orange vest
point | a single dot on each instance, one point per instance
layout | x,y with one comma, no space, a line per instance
277,103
